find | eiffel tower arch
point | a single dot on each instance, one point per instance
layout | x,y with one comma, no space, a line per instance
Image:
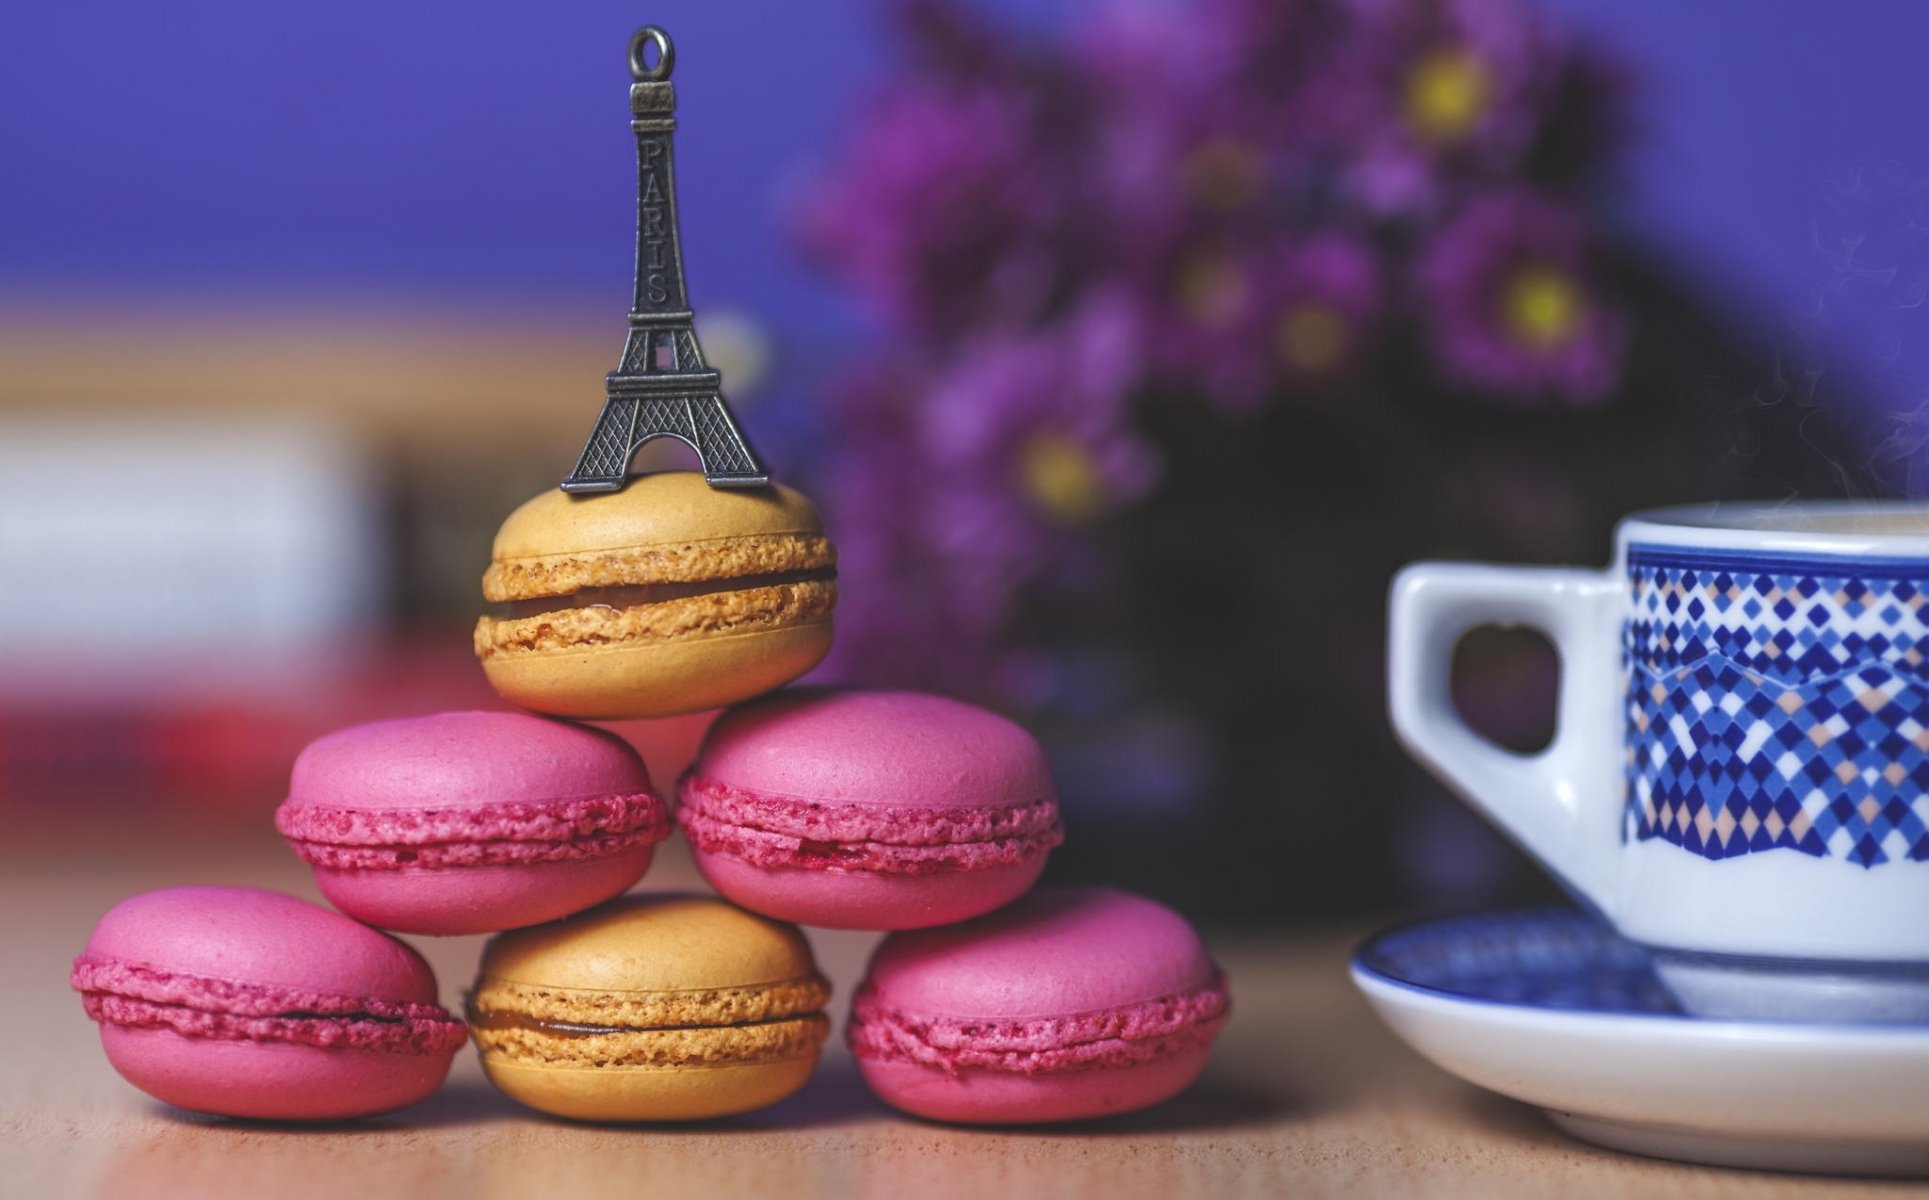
662,387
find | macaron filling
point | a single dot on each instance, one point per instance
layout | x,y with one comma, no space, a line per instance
633,595
728,561
559,1027
714,613
492,833
782,831
1112,1037
572,1029
141,996
546,1043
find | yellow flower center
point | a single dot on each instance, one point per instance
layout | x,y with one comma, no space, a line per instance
1060,477
1310,338
1448,91
1211,290
1542,307
1224,174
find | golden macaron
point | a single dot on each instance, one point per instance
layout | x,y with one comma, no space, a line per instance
650,1008
667,597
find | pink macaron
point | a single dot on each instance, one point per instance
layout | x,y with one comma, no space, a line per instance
868,809
1069,1004
471,822
247,1003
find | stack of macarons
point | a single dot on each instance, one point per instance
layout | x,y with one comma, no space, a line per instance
989,1001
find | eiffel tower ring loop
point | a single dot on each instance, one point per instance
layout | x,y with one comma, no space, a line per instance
665,54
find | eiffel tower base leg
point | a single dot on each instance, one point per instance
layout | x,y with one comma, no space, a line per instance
606,456
701,421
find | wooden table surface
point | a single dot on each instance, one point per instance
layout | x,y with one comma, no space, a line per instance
1307,1096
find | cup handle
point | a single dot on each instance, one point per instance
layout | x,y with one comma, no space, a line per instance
1563,804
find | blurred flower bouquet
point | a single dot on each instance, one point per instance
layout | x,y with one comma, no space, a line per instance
1200,320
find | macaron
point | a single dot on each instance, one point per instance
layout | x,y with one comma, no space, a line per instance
869,809
247,1003
471,822
1069,1004
667,597
650,1008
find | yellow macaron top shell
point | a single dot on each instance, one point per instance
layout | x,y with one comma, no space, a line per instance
665,527
654,944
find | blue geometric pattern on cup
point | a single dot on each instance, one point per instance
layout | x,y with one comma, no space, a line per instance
1778,702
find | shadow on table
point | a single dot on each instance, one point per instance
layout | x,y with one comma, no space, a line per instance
1520,1122
834,1096
212,1158
1524,1123
459,1102
1206,1107
185,1154
464,1102
838,1097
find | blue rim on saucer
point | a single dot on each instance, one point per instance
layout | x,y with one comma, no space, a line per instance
1553,1008
1540,958
1568,960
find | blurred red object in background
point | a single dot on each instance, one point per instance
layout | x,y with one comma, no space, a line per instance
225,753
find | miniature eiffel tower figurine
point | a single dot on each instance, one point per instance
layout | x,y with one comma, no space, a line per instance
663,388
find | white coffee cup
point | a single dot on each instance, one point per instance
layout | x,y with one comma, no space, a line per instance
1739,779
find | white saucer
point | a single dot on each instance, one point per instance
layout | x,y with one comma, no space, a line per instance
1554,1009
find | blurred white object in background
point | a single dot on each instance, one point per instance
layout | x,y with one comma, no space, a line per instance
739,345
185,554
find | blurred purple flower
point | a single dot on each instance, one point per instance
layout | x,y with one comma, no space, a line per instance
1190,204
1201,117
1509,305
1297,312
1048,411
1427,94
948,206
969,489
898,620
1237,63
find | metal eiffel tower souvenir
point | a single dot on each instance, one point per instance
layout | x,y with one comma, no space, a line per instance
663,387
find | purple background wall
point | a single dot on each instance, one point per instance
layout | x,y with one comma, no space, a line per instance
445,154
1784,166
